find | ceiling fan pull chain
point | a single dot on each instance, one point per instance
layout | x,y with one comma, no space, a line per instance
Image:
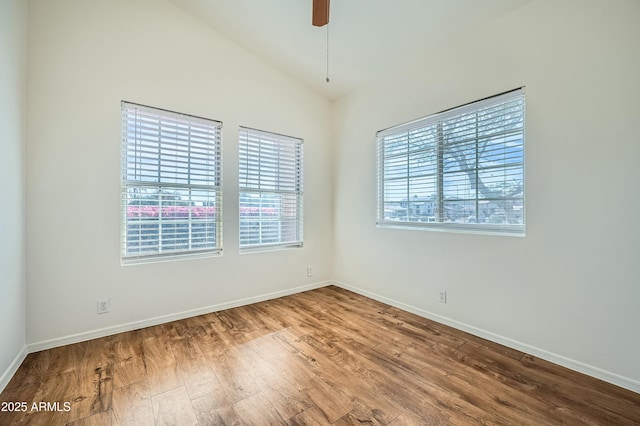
327,79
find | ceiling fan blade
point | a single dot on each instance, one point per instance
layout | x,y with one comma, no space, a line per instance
320,13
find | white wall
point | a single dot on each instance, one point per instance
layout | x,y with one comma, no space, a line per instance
570,290
84,58
13,56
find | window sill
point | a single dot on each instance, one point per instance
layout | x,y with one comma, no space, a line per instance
127,261
261,249
451,228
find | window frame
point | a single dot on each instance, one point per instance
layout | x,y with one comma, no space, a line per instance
434,174
155,141
272,186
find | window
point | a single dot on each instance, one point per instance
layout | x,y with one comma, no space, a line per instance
171,184
270,190
460,169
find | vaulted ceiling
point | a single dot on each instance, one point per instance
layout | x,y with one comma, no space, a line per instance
366,38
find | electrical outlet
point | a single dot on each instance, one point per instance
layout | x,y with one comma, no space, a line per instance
443,296
103,306
309,271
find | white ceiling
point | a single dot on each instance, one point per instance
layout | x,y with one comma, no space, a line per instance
367,38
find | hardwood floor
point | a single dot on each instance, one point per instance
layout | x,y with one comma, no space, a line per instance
326,356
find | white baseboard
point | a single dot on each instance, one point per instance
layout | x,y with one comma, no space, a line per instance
13,367
108,331
598,373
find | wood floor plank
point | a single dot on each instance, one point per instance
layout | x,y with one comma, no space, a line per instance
254,324
173,408
162,331
100,419
66,358
411,326
194,369
93,392
257,410
162,368
428,396
322,357
311,417
31,371
578,394
128,345
57,389
283,396
395,383
262,311
131,406
409,419
25,393
329,399
215,408
203,331
293,369
334,319
231,374
129,371
100,352
233,323
267,312
369,388
229,416
538,393
267,348
488,346
348,372
361,415
256,364
490,396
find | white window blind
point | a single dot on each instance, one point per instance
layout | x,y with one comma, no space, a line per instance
270,189
459,169
171,184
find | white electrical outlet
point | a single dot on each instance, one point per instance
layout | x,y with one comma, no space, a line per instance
309,271
103,306
443,296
